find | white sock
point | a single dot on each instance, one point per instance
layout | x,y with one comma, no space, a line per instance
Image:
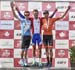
25,60
34,59
22,59
39,60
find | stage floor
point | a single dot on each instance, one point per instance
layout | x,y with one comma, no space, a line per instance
37,68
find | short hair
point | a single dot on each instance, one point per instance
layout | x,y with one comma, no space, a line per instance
35,10
46,12
27,12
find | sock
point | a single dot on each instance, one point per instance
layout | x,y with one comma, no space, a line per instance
25,60
34,59
39,60
22,59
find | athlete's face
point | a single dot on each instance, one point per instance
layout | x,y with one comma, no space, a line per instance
46,15
26,15
35,14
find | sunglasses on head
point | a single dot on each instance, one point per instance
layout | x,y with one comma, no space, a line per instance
26,14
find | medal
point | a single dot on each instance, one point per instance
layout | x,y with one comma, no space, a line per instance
47,24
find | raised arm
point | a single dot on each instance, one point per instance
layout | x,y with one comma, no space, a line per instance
16,12
65,12
13,10
53,13
20,14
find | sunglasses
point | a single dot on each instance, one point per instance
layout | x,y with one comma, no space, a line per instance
27,14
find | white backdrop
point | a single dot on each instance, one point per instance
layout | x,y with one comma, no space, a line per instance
10,33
